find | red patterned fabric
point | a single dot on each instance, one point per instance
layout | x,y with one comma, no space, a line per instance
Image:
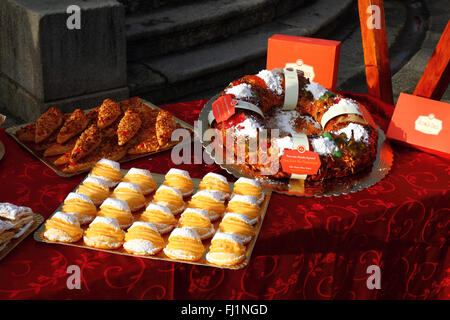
308,248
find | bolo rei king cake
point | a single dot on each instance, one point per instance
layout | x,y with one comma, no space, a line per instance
308,117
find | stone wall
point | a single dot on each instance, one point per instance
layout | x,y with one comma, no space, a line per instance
43,62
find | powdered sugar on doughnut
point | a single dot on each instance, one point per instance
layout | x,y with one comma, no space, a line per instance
272,80
116,203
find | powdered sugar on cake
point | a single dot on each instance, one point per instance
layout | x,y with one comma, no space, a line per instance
201,212
227,236
67,218
142,172
323,145
253,182
282,144
158,207
357,131
106,220
249,127
144,224
215,195
316,90
112,164
116,203
246,199
241,91
179,172
272,80
78,196
217,176
185,233
129,185
176,191
283,120
97,181
238,216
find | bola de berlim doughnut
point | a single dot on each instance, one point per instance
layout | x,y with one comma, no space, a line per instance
334,126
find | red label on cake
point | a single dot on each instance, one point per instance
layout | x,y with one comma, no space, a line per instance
223,108
300,161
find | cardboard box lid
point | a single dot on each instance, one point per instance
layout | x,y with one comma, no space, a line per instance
319,56
421,122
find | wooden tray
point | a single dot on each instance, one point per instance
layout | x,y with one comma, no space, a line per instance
38,219
159,179
48,161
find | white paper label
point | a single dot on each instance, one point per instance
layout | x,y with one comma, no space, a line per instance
291,89
300,140
239,105
337,110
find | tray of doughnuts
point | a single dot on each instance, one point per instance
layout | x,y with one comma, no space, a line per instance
71,143
173,217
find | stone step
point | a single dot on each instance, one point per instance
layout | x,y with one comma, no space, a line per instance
178,28
171,77
134,6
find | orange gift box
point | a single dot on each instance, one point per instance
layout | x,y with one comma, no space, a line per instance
317,58
422,123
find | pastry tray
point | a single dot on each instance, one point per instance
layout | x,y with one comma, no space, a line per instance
48,161
38,219
326,188
159,179
2,150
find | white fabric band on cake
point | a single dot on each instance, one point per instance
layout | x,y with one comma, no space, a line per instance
291,89
239,105
339,109
300,139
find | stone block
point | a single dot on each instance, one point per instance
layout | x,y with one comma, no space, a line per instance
20,103
52,62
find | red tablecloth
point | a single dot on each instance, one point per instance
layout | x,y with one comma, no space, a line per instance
308,248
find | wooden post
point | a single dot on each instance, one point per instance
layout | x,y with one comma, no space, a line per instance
436,76
376,51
